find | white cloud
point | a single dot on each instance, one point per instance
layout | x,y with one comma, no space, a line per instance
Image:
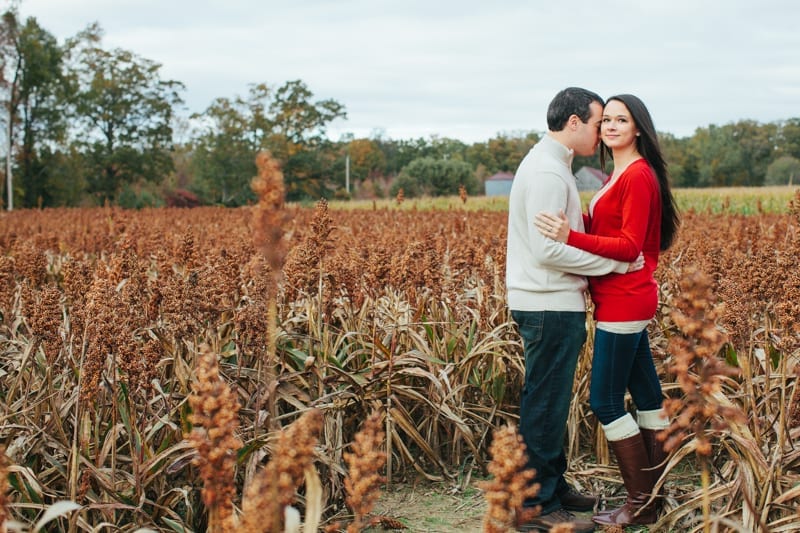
465,69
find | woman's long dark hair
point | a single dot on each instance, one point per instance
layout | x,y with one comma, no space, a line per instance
647,145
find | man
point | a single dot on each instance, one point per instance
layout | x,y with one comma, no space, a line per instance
546,294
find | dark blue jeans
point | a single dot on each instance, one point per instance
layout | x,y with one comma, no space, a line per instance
552,341
622,362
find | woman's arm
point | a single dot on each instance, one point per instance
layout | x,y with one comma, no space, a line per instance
637,196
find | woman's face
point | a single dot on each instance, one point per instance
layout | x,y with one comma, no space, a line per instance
617,129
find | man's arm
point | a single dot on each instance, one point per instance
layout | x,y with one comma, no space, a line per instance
551,194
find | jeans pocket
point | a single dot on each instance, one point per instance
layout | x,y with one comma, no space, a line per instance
530,324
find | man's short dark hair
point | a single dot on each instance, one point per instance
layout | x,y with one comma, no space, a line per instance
568,102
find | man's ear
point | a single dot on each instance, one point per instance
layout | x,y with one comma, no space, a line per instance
573,122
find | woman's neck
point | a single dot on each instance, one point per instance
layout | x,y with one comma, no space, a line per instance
623,158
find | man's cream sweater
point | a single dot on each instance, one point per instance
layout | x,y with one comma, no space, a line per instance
542,274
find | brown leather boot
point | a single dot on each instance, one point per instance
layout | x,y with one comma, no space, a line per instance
658,459
634,465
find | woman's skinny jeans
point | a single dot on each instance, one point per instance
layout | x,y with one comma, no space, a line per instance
622,362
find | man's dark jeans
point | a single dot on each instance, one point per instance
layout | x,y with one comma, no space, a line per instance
552,341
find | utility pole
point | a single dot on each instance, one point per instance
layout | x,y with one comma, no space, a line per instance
12,39
9,180
347,173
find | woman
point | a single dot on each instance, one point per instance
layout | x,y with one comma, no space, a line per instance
633,212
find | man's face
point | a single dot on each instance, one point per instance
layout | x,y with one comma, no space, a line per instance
587,134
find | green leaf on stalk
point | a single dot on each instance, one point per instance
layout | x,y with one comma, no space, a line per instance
186,425
730,355
176,526
774,356
298,356
245,451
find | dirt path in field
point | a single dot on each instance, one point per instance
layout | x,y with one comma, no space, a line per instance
435,508
430,508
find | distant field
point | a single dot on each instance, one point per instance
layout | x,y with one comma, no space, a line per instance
741,200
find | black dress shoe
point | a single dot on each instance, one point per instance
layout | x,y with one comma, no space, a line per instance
572,500
546,522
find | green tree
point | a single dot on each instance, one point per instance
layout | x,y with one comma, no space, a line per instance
311,172
42,110
124,111
789,137
284,121
401,152
366,159
756,144
696,148
435,177
297,136
719,160
65,184
223,157
736,154
681,163
445,148
367,165
502,153
783,171
297,119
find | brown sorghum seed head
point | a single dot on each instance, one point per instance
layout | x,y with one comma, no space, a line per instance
511,484
215,415
364,465
46,319
269,215
274,487
697,367
4,486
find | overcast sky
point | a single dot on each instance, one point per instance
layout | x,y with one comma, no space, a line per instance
464,69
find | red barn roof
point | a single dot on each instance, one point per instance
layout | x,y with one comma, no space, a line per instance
501,176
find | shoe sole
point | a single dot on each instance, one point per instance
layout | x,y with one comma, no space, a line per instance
578,509
548,528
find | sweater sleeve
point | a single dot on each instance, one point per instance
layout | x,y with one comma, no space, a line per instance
636,196
551,195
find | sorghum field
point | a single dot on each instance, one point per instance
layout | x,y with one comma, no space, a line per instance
249,369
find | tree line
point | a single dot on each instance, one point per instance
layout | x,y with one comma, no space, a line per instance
87,125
